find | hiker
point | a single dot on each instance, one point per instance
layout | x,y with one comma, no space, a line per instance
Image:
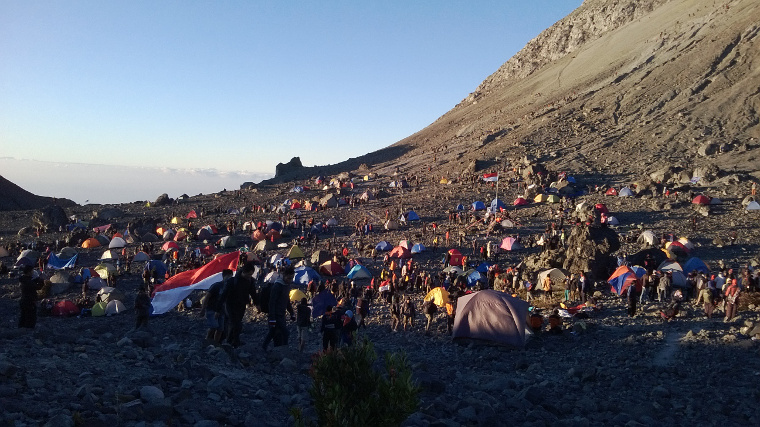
663,287
395,313
706,295
331,325
732,300
348,328
239,291
142,307
631,296
303,320
408,313
279,303
28,302
555,322
547,287
213,309
430,310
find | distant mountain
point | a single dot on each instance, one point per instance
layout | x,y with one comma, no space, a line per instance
617,87
13,197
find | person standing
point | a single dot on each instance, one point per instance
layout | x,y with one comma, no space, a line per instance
331,324
632,296
239,291
279,303
213,310
142,307
732,300
303,320
28,302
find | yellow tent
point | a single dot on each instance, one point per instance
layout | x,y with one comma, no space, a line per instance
296,295
295,252
444,181
105,270
439,296
175,220
670,254
548,198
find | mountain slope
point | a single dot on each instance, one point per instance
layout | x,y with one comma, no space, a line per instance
13,198
616,87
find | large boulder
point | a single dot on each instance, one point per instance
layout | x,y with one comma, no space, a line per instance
707,173
285,168
663,174
708,148
163,200
591,249
50,218
108,213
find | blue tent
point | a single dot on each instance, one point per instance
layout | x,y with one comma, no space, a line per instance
71,227
478,206
497,205
158,265
483,267
460,207
474,277
320,302
297,189
58,263
412,216
417,248
359,272
383,246
305,274
639,270
697,264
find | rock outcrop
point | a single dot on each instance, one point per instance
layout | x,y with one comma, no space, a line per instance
285,168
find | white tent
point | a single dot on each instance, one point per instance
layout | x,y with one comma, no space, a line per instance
114,307
625,192
647,237
753,206
117,243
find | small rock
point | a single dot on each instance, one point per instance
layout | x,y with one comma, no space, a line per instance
150,393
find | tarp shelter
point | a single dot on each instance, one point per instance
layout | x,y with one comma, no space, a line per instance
320,302
510,244
623,278
57,263
330,268
439,296
625,192
141,256
320,257
295,252
456,257
383,246
695,264
91,243
519,202
117,243
296,295
557,275
418,248
491,316
115,307
412,216
478,206
169,246
611,192
359,272
304,275
65,309
701,200
400,252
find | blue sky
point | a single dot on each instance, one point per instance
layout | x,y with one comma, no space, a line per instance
241,86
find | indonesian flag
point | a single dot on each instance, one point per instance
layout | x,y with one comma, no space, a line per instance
173,291
491,177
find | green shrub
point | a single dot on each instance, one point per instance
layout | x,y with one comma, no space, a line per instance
347,390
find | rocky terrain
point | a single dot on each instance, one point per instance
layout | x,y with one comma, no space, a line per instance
617,93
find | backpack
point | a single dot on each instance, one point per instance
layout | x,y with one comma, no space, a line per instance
266,292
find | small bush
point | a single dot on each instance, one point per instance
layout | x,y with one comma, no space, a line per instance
349,391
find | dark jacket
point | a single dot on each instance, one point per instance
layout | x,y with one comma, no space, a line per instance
213,301
29,288
303,315
331,322
237,294
279,300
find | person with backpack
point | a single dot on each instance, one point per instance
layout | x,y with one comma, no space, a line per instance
239,291
303,320
732,300
213,309
279,303
331,325
348,328
430,310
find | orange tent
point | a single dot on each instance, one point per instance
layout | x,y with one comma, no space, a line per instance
91,243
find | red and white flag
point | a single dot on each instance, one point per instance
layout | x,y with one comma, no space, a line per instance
491,177
173,291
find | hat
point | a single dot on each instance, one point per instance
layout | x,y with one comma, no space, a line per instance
349,314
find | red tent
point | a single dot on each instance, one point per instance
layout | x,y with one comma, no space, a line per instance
701,200
191,214
611,192
170,245
65,309
456,257
208,250
331,268
258,235
400,252
602,208
520,202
